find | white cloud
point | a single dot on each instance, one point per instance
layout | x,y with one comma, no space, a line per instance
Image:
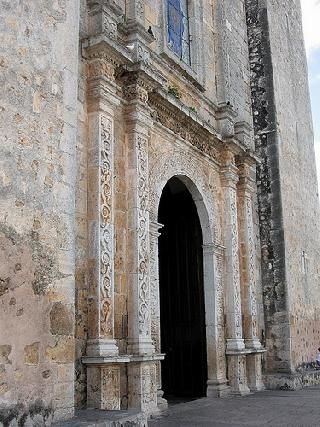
311,23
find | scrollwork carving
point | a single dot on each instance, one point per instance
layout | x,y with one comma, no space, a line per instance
106,228
235,262
143,235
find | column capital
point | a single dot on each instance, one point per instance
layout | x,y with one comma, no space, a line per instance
246,175
229,176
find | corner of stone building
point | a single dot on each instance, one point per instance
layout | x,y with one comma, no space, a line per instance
273,264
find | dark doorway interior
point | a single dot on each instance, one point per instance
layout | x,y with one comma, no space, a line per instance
183,338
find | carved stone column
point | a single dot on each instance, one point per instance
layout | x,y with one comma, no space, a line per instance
235,343
246,188
102,359
140,341
142,383
217,381
101,236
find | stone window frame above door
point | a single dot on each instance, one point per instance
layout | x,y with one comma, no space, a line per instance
194,70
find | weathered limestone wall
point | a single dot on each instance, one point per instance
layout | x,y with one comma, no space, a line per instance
39,48
288,198
81,228
299,190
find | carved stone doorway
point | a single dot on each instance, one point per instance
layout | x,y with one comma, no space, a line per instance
182,309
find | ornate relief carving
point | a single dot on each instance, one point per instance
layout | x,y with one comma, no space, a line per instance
235,262
143,235
252,267
184,127
135,88
166,165
154,286
109,26
110,388
149,387
106,229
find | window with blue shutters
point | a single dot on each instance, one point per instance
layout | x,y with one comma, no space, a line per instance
178,29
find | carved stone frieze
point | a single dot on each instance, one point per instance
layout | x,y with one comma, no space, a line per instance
183,126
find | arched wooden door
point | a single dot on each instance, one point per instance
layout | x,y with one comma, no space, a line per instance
182,309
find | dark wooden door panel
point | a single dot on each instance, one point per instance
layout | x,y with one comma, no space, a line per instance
184,370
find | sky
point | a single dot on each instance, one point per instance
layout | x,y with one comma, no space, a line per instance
311,28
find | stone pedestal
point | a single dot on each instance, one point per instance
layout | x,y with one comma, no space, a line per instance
237,373
143,385
103,382
103,387
254,371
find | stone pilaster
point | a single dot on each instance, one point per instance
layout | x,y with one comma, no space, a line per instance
217,381
155,304
101,234
140,341
142,373
246,188
235,344
232,279
102,360
247,258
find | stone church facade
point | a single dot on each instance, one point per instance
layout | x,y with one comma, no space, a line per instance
118,115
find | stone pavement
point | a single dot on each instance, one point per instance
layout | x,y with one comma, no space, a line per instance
299,408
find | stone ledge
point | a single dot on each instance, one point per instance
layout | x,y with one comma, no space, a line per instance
97,418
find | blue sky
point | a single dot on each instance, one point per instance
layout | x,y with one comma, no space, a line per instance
311,27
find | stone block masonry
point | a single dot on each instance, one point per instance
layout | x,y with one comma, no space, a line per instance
38,73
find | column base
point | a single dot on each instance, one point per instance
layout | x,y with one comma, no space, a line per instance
103,387
161,402
102,347
237,374
218,388
142,386
140,346
254,372
253,344
235,344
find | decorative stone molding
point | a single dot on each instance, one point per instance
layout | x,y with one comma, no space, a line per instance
162,167
184,124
